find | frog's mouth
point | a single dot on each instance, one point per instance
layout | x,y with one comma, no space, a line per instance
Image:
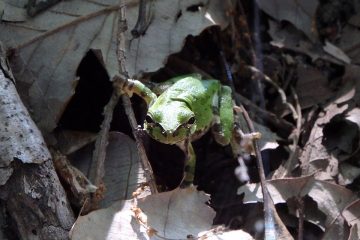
168,137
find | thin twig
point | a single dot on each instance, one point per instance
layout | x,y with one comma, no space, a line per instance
246,35
122,26
296,132
97,169
267,116
140,146
284,171
270,215
300,203
270,231
260,75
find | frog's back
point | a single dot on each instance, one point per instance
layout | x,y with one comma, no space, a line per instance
192,89
198,95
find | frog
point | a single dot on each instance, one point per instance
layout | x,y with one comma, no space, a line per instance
184,108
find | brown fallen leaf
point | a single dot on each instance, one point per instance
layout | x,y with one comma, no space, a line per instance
352,215
172,215
331,198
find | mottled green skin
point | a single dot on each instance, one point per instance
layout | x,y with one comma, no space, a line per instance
186,108
186,98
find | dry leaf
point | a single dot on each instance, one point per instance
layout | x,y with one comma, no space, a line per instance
330,198
173,215
352,216
288,37
178,213
49,47
123,170
299,13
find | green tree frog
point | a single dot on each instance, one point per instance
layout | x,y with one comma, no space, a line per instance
186,108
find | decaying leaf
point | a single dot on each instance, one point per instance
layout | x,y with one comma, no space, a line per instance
177,207
318,155
331,198
299,13
49,47
312,86
123,170
173,21
352,215
173,215
288,37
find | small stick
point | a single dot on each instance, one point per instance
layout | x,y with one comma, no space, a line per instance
97,169
300,203
270,215
260,75
122,26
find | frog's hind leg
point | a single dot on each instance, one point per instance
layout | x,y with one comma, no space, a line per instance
223,116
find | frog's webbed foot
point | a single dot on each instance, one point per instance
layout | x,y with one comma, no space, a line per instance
140,132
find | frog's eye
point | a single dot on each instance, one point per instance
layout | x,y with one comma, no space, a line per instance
191,120
149,119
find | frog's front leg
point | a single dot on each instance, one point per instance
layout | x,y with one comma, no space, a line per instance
131,86
223,116
190,163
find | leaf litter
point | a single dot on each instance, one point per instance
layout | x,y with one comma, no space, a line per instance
316,46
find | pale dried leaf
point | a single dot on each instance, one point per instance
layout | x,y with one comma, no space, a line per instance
354,116
227,235
13,12
349,43
172,215
178,213
50,46
347,173
123,170
312,86
113,223
288,37
331,198
352,216
315,158
299,13
336,52
354,234
69,141
172,23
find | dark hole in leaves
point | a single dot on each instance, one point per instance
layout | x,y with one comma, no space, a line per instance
84,111
195,7
341,134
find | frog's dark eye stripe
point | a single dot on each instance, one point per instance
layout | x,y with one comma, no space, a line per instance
149,119
191,120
